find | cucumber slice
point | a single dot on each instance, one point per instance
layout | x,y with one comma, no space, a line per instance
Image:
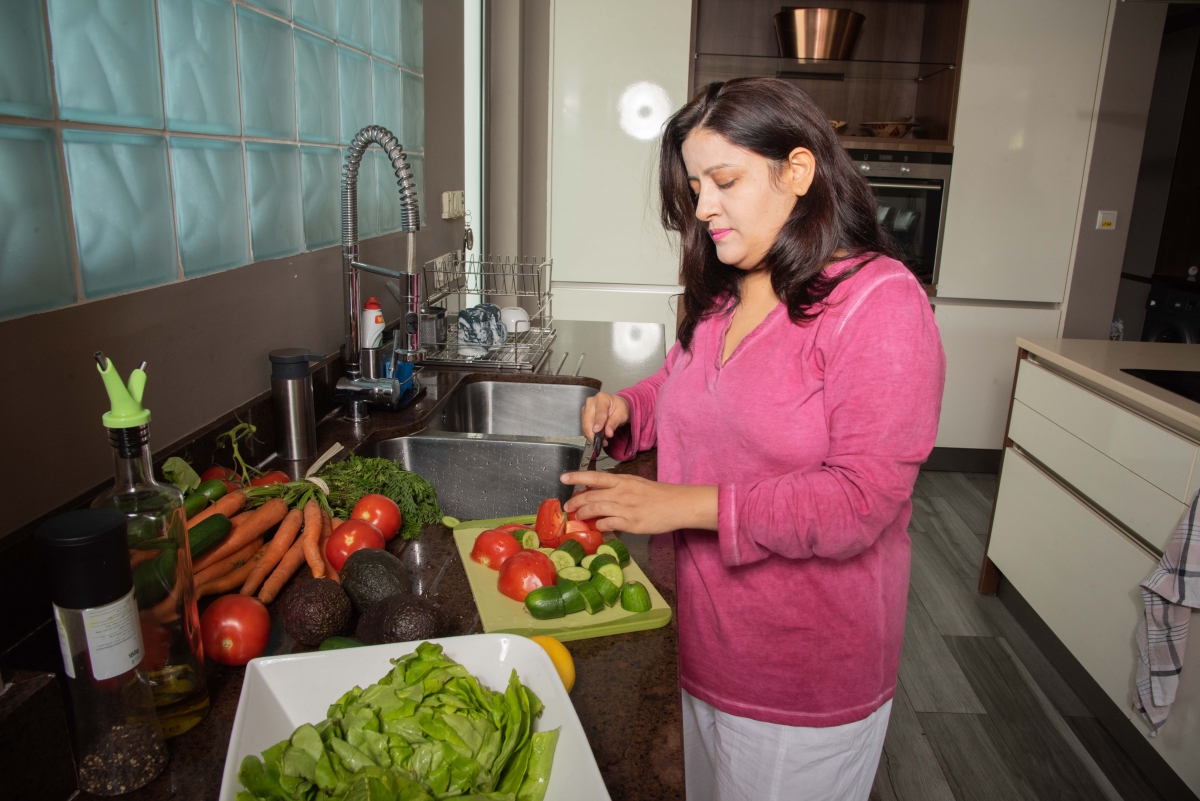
545,603
529,538
608,591
563,583
572,598
450,522
561,559
617,550
587,560
635,597
546,551
592,601
574,549
600,560
613,573
575,574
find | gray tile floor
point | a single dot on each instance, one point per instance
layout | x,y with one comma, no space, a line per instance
979,712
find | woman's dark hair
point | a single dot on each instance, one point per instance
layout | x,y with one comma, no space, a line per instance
769,117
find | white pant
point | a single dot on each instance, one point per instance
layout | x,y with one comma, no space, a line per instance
731,758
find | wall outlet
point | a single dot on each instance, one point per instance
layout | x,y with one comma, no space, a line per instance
454,205
1106,221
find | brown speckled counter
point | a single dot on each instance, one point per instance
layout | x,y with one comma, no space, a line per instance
627,686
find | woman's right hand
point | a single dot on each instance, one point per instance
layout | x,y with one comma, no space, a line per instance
603,413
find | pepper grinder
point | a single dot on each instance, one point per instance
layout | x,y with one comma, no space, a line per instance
295,415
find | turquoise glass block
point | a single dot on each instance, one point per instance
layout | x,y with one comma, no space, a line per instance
385,29
281,8
387,95
35,259
210,204
413,95
268,76
321,169
354,23
121,202
418,168
354,92
24,66
106,61
276,221
316,88
412,35
388,194
316,15
199,66
368,204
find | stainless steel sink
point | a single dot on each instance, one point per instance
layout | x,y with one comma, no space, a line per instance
482,476
513,409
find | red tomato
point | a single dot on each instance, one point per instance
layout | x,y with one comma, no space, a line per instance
381,512
274,477
222,473
551,523
494,547
235,629
585,535
573,517
511,528
524,572
351,536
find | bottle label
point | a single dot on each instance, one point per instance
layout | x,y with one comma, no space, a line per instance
114,637
64,644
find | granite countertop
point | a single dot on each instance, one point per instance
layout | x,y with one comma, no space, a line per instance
1097,363
627,685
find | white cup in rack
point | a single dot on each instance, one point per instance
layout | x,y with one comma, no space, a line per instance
515,319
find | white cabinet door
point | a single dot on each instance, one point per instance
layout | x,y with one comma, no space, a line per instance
1026,101
981,357
618,69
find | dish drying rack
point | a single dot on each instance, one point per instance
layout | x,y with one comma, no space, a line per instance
462,280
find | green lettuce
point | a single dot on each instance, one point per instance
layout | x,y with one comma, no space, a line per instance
427,730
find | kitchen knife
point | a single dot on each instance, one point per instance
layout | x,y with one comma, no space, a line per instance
597,444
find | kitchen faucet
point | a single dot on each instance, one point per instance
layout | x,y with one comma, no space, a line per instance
362,383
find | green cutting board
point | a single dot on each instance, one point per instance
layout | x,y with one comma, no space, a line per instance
501,614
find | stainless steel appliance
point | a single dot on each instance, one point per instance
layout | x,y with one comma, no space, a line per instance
910,193
295,414
817,32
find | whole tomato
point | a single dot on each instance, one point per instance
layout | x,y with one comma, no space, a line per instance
585,535
494,547
513,528
235,629
274,477
351,536
524,572
221,474
551,523
381,512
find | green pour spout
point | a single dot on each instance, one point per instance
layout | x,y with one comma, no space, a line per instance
127,411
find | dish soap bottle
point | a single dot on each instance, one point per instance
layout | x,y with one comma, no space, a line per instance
156,531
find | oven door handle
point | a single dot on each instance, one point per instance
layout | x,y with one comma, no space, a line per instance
926,187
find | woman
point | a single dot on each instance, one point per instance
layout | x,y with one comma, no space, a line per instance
790,418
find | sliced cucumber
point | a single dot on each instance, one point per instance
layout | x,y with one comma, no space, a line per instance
617,550
546,551
635,597
610,592
450,522
592,600
563,583
529,538
545,603
575,574
600,560
574,549
587,561
572,598
613,573
561,559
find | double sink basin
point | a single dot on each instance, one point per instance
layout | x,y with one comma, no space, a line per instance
495,448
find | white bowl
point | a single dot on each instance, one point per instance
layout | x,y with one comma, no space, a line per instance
280,693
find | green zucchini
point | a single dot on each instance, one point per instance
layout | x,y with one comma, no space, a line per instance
207,533
610,592
575,574
592,602
617,550
635,597
545,603
572,598
575,550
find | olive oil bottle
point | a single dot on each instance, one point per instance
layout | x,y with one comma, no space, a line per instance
159,556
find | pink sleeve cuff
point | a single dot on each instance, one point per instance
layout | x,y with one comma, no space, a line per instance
736,546
623,445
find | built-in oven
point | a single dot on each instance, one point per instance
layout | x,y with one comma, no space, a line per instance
910,202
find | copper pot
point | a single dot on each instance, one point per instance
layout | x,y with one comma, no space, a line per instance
817,32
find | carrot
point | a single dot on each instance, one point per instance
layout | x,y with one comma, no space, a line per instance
234,579
229,564
228,505
237,520
280,543
326,531
270,513
137,556
312,538
337,521
286,568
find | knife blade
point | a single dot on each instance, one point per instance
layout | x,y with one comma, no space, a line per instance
597,444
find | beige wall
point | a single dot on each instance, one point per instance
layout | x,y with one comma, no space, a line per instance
205,340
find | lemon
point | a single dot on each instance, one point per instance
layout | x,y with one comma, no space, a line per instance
561,658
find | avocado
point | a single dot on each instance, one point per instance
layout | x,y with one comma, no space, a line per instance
372,574
401,618
314,610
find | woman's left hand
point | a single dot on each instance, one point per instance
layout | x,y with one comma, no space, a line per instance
639,506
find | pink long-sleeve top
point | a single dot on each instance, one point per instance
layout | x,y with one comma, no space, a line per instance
792,612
